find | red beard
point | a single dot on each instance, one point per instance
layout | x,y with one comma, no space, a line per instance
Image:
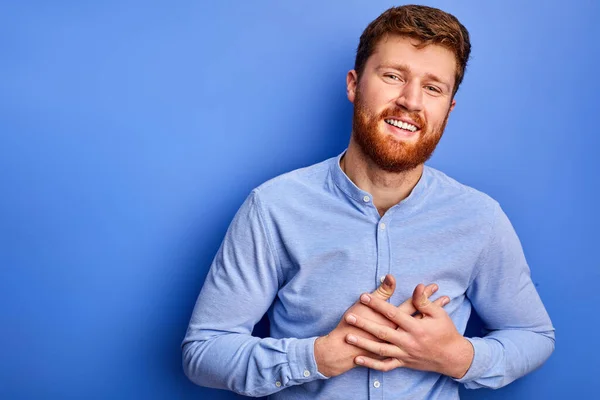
387,152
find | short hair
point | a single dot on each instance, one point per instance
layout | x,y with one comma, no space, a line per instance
428,25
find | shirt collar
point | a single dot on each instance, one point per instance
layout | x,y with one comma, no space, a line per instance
341,180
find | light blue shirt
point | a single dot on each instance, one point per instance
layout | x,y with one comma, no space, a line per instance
306,244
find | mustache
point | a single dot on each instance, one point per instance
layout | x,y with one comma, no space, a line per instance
402,113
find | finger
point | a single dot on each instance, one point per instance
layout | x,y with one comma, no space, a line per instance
381,365
381,332
386,289
422,303
381,349
408,308
392,313
441,301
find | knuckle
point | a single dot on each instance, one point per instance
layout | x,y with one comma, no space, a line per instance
382,334
418,332
391,314
424,303
382,351
412,348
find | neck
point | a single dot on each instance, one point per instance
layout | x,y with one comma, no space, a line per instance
386,188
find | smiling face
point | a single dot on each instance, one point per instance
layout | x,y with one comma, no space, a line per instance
402,102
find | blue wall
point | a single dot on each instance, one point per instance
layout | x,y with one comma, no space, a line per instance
130,133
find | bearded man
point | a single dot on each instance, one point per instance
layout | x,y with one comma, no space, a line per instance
305,245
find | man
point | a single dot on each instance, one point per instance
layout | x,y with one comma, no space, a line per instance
305,245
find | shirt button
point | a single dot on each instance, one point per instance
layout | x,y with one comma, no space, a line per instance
306,373
382,225
366,199
376,384
278,384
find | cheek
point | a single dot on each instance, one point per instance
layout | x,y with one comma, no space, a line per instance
380,95
387,95
435,114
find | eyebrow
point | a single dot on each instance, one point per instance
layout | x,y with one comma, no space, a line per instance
406,69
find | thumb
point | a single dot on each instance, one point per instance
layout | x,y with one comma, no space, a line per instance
422,302
386,289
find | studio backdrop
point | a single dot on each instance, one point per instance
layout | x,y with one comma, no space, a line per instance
131,132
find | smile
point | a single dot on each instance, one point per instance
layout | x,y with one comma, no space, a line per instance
401,125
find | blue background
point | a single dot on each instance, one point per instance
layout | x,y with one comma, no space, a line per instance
132,131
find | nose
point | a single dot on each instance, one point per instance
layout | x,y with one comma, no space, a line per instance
411,97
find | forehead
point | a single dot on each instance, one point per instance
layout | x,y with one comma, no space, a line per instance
401,50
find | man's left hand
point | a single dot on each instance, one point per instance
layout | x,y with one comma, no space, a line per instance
430,343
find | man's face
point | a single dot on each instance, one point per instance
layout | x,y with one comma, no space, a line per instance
402,102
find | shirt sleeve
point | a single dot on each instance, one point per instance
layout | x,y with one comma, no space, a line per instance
218,349
521,336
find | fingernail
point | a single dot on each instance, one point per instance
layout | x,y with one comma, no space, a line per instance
351,319
445,301
365,298
360,361
434,289
352,339
387,280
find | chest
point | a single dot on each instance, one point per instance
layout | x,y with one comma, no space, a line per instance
327,270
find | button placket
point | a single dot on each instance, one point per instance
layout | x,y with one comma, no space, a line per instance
383,268
383,250
375,385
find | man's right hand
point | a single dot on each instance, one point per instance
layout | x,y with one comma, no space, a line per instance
334,356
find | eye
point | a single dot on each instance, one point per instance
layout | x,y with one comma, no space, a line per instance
393,77
433,89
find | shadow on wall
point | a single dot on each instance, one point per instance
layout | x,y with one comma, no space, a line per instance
333,138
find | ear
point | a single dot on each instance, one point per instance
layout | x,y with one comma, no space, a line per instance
351,83
452,106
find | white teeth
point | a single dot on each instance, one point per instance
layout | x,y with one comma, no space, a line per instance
401,124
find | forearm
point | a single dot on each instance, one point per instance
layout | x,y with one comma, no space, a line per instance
521,335
505,355
248,365
218,349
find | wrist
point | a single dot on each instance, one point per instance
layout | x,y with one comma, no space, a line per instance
320,356
460,358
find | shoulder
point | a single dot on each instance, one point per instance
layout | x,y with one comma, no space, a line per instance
445,191
295,183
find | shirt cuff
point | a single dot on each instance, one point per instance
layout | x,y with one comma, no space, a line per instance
481,360
301,358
